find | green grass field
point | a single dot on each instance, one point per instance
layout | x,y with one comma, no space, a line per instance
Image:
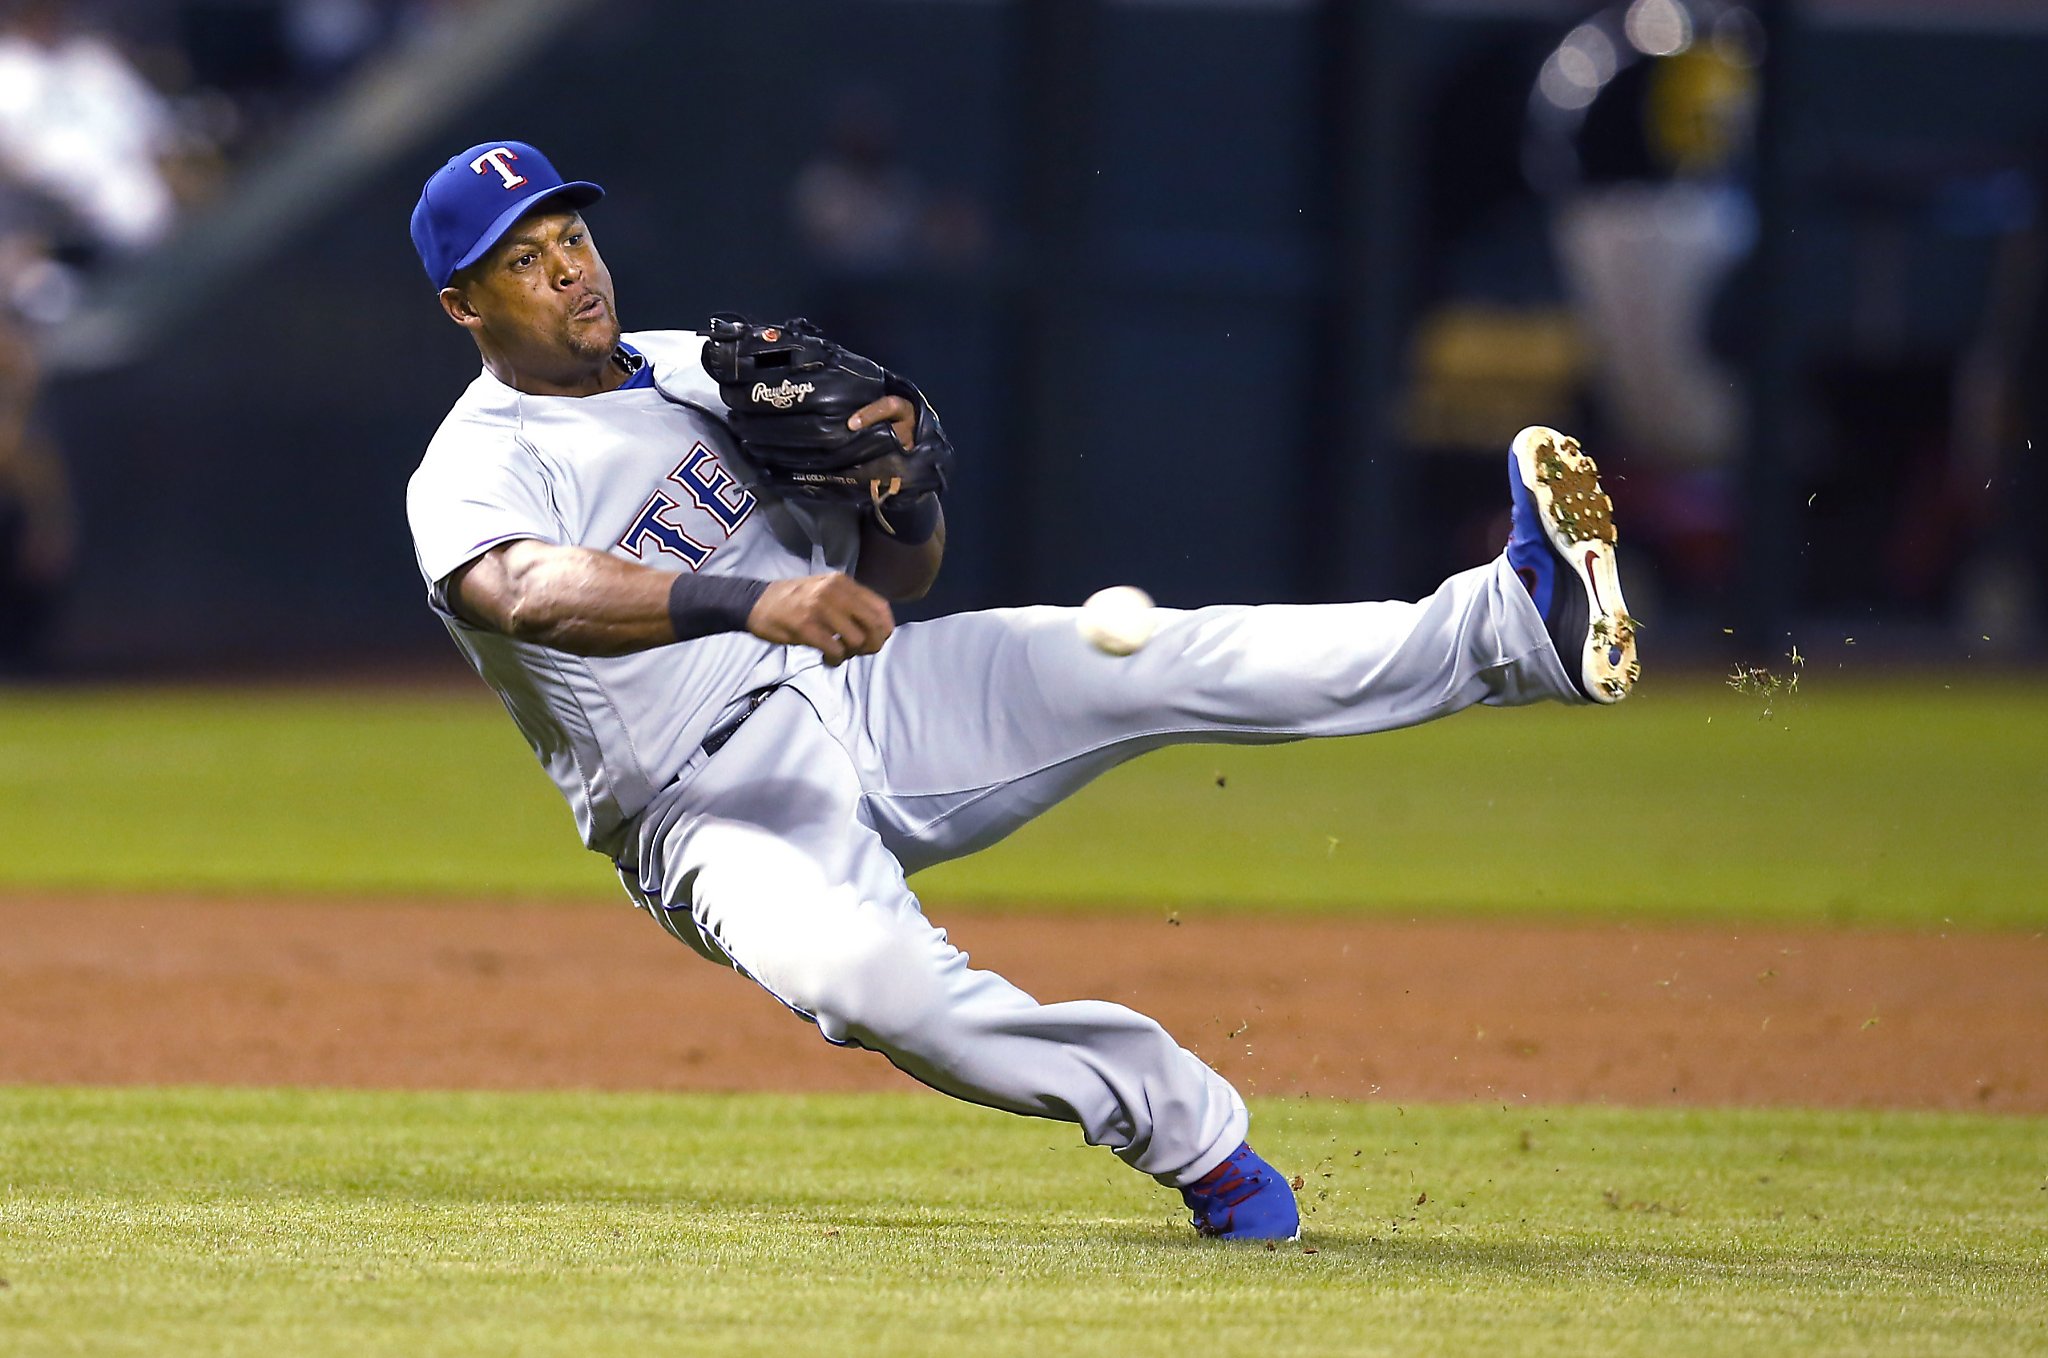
312,1223
1913,804
245,1222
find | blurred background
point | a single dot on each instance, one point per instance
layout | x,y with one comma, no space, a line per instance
1234,299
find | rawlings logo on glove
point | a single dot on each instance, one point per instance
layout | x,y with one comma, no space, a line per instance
790,391
782,397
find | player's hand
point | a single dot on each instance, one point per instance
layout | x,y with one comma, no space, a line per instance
890,410
834,614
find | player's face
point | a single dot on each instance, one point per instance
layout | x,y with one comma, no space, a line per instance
542,299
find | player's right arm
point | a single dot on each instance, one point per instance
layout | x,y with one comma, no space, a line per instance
587,602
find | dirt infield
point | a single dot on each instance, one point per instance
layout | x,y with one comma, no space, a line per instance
492,996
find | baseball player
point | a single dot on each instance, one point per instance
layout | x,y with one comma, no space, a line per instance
687,614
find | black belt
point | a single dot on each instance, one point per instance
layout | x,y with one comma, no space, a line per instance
715,742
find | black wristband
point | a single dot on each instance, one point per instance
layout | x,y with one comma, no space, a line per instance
702,605
908,520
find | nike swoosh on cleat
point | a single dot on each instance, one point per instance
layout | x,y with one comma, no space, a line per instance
1592,559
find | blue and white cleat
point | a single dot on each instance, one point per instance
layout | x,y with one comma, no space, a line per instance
1562,547
1244,1198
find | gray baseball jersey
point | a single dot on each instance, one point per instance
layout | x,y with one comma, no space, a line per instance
640,474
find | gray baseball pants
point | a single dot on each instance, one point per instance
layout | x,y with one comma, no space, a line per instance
784,853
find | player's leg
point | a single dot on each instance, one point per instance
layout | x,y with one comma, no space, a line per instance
762,857
968,726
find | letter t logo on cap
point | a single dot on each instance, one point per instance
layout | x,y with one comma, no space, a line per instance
496,158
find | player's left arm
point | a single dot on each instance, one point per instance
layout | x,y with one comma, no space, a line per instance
891,568
895,571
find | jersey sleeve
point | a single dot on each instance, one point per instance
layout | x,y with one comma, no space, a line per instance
462,505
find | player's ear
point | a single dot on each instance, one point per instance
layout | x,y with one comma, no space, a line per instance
456,303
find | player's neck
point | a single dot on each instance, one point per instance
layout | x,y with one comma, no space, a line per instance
606,375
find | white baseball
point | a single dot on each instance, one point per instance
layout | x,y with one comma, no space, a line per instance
1117,620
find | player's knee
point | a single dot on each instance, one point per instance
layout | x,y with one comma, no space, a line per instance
868,981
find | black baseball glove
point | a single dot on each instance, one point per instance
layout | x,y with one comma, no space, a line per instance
790,390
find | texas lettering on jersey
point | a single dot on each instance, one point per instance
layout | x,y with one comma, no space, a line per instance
710,488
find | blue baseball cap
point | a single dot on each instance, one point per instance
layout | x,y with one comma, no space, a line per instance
471,201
